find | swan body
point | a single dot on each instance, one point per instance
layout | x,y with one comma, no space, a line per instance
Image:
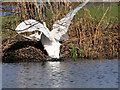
49,39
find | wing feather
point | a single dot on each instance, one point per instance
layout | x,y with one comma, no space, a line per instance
31,25
61,26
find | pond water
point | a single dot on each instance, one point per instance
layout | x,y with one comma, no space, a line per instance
8,7
61,74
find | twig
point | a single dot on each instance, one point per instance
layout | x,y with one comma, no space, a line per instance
102,19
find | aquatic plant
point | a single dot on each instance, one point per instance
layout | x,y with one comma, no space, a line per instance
74,51
80,52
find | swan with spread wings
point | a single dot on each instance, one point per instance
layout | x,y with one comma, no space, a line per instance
49,39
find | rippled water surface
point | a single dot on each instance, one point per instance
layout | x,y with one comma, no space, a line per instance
64,74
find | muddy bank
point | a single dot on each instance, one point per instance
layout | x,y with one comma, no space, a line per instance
17,48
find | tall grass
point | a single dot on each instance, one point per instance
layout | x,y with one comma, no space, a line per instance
93,31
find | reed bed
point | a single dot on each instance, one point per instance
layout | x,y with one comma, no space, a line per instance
92,34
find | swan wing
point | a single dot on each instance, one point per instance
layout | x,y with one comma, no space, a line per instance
32,29
61,26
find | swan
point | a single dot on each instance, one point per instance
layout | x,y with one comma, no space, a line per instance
49,39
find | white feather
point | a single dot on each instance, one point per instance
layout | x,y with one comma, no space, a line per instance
61,26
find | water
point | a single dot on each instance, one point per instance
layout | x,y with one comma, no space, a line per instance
61,74
8,7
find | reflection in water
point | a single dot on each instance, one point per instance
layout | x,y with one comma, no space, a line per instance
33,73
64,74
54,73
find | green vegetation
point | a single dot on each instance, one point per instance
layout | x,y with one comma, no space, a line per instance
10,22
97,13
80,52
74,51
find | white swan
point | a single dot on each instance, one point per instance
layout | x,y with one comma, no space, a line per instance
50,39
